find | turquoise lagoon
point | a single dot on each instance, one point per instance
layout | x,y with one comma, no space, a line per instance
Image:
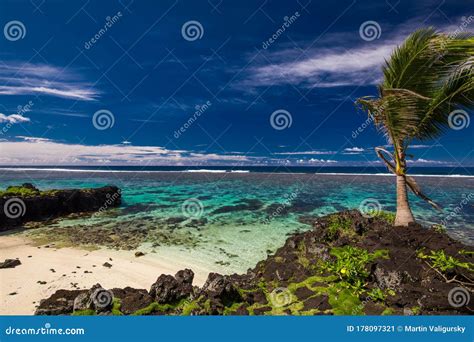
227,222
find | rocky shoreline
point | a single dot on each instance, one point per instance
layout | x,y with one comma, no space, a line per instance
26,203
346,265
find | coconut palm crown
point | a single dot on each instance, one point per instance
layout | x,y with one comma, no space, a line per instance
426,78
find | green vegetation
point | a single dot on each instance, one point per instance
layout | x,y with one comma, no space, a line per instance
116,307
229,310
338,225
351,264
87,312
418,93
464,252
387,311
387,216
444,263
345,302
343,279
156,307
439,228
377,295
20,191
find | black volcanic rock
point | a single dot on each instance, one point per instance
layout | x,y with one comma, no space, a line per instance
221,288
169,289
29,204
10,263
60,303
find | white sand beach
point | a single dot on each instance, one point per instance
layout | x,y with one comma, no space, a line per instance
22,287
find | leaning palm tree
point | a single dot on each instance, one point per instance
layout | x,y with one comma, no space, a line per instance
428,77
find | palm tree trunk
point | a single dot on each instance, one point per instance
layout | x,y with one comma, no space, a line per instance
404,215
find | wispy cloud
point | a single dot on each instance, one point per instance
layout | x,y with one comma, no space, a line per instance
39,79
44,151
354,149
422,161
302,153
13,118
324,68
328,64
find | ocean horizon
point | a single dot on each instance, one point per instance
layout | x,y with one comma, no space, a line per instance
446,171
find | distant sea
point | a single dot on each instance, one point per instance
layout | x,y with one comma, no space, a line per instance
228,218
446,171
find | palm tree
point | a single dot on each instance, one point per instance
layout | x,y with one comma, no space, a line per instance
429,76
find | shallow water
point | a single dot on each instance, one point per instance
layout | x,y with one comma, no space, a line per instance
227,222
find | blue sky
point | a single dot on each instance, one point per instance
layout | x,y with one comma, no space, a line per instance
205,95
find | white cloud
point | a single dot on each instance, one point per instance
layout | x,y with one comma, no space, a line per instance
424,146
354,149
39,79
427,161
13,118
323,68
42,151
32,139
305,153
329,65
